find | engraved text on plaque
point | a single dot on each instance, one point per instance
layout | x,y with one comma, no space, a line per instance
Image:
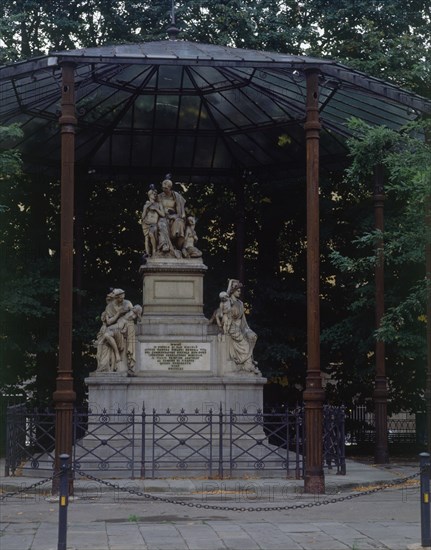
176,356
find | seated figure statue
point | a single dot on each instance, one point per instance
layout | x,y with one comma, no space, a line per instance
168,232
230,318
174,206
116,338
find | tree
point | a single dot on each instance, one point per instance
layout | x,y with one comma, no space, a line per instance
406,159
388,39
28,298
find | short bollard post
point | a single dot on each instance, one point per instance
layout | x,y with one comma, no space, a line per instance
425,499
63,501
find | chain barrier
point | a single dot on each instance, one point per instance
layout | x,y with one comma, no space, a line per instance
148,496
156,498
27,488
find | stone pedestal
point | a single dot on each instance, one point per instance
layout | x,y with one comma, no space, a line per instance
181,360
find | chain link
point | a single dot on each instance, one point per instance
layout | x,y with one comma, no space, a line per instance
28,488
148,496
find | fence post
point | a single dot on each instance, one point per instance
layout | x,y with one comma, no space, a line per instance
143,419
220,442
424,462
63,502
9,439
133,416
342,439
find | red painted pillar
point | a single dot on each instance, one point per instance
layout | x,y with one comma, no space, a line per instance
64,396
314,394
381,455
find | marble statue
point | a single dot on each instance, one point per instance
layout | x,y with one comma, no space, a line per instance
168,232
155,226
222,315
115,341
174,206
230,318
189,249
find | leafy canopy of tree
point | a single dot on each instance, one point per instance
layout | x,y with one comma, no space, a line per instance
407,162
388,39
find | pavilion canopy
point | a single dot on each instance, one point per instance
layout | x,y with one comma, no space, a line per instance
199,110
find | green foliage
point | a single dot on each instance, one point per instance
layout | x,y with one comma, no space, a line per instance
29,275
388,39
10,159
407,161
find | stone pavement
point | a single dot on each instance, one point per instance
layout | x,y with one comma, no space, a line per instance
270,513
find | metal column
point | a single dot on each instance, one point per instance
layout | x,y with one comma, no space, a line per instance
64,396
314,394
381,455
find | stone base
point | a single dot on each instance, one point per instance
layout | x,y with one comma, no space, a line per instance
173,287
169,447
188,391
182,363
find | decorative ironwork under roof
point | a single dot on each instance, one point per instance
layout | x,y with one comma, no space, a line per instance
198,110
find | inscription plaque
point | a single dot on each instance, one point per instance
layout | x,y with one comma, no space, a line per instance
176,356
180,290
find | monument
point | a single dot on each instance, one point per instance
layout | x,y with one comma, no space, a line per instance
167,354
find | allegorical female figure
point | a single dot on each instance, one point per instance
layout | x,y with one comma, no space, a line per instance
242,339
116,339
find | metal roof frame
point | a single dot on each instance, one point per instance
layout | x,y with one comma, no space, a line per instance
240,101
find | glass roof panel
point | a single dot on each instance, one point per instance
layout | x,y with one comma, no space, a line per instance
134,79
252,147
141,150
249,105
185,104
209,79
222,157
204,151
184,151
163,151
166,111
350,103
170,77
225,112
121,147
189,112
144,111
266,103
105,107
206,120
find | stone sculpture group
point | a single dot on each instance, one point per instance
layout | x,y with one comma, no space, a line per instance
170,233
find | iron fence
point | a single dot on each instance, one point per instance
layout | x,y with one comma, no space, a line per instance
403,427
165,444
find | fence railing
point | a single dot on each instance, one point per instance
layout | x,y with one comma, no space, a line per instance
165,444
403,427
